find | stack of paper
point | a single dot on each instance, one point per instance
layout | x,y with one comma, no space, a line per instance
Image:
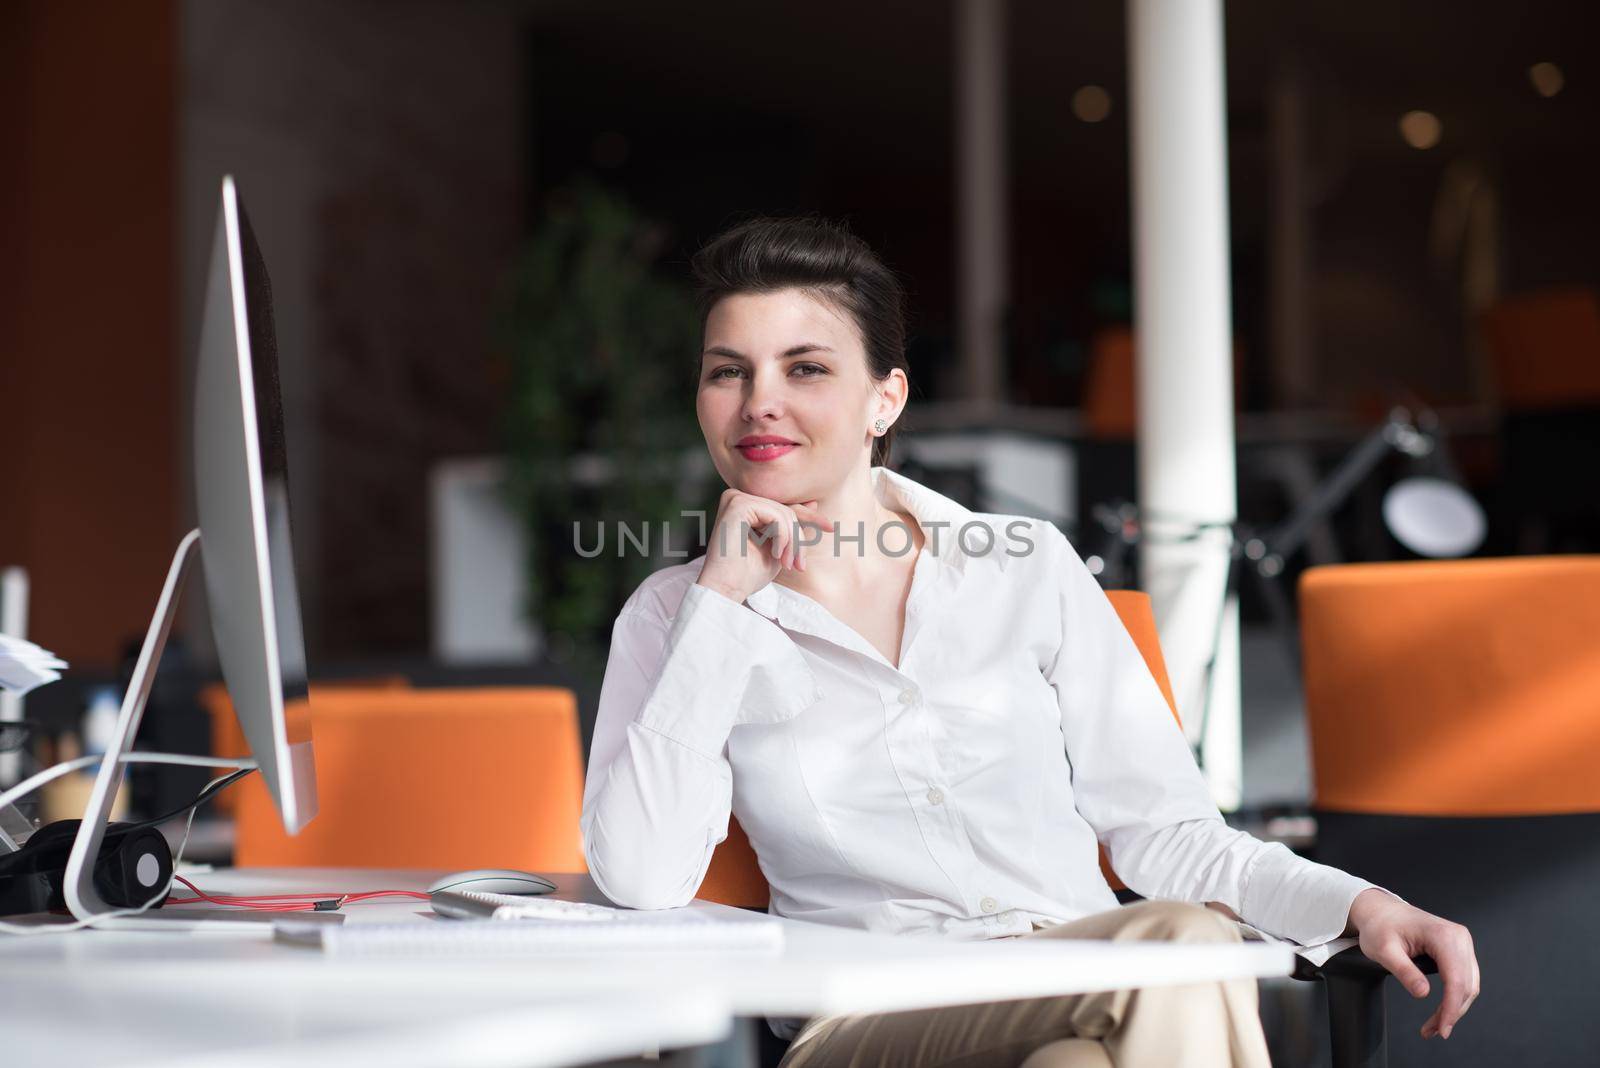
24,666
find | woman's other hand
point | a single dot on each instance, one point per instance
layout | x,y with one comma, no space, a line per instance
753,539
1392,932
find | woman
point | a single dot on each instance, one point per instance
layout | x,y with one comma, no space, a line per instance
925,718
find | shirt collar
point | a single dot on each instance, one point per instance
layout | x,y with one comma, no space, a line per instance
941,519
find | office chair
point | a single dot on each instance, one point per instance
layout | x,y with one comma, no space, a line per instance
227,738
1544,350
1454,713
436,779
1354,983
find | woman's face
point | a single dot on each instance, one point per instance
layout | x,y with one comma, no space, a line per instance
785,399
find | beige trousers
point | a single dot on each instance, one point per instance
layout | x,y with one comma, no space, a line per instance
1195,1026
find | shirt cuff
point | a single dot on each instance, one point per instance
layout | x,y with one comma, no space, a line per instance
724,664
1299,899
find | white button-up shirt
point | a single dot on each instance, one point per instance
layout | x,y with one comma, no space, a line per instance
963,793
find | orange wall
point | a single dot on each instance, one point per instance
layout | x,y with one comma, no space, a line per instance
88,314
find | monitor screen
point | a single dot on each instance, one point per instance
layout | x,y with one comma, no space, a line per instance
242,496
274,459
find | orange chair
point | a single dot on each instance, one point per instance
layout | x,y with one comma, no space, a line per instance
1454,714
1456,687
734,876
227,739
436,779
1545,348
1109,399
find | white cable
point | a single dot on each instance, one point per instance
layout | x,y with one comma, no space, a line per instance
191,760
55,771
177,858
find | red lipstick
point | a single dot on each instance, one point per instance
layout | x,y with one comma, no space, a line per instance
761,448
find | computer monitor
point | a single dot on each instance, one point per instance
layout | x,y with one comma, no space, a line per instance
241,479
241,489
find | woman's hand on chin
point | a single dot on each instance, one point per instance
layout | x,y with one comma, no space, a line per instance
1392,932
754,538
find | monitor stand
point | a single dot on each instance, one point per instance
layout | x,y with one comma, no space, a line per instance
83,900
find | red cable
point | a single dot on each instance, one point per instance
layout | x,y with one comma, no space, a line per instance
240,902
285,902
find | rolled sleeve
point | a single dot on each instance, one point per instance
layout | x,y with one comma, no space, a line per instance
1299,899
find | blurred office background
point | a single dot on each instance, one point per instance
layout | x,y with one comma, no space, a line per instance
1413,219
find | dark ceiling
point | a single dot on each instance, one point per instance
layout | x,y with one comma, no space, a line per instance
847,108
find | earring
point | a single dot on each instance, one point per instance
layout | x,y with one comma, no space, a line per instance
879,427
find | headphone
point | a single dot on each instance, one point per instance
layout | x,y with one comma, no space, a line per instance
134,863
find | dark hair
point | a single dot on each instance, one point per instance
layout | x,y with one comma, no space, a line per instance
824,258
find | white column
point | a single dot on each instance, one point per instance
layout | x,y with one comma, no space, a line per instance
1185,374
981,216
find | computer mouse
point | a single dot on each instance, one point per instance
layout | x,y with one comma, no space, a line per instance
493,881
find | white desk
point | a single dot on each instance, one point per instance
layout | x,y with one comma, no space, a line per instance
116,997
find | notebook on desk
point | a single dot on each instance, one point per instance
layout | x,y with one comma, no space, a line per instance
503,932
477,905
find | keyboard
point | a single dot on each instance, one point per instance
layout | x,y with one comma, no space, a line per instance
475,905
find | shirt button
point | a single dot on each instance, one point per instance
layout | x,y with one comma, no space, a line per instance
988,904
908,697
935,796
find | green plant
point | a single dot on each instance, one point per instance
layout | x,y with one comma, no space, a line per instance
601,344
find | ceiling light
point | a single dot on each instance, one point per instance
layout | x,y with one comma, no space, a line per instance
1421,129
1091,103
1547,78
